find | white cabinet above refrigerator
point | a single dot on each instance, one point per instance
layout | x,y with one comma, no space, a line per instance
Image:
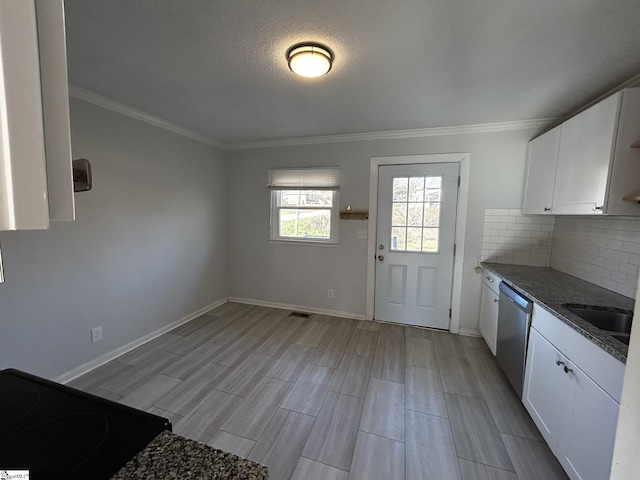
36,181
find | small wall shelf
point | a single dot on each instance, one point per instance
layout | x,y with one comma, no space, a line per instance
634,197
354,215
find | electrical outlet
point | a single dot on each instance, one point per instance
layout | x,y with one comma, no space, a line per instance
330,293
96,334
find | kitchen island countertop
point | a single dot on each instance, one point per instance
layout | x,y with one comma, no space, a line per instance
551,288
171,456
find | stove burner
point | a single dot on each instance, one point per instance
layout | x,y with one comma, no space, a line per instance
57,432
61,445
15,403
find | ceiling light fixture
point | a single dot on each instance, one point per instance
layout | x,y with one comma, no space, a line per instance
309,59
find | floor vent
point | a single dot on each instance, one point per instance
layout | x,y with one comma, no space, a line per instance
300,314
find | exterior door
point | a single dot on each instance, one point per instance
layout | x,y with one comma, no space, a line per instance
415,243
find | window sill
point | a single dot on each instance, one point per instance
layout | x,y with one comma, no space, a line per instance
303,243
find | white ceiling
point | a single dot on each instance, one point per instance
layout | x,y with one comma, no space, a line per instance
218,67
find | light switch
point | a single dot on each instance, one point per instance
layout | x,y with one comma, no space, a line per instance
362,234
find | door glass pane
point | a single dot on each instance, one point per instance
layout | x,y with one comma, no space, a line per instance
415,218
399,216
414,239
416,189
400,187
415,215
398,238
432,214
430,239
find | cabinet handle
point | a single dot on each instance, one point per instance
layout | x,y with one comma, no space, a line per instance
495,300
559,362
595,207
547,209
567,369
489,278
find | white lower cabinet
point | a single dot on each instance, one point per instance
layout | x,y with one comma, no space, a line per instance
576,417
488,324
545,386
588,430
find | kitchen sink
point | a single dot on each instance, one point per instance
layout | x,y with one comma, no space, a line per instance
622,337
610,319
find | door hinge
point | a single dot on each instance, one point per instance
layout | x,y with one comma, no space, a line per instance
454,249
458,180
449,313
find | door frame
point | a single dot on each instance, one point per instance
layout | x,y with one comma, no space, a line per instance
464,159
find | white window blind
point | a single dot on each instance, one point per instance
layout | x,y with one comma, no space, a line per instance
327,178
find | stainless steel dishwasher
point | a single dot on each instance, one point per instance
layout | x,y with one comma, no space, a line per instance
514,319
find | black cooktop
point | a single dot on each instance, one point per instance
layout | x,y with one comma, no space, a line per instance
58,432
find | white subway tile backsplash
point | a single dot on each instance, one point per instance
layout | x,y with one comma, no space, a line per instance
601,250
512,238
622,257
631,247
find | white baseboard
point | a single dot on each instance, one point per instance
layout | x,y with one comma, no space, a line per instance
107,357
299,308
470,332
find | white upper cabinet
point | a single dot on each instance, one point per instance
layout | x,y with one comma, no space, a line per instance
36,183
586,148
593,163
540,173
55,108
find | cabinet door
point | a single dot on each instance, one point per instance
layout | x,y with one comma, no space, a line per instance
23,170
489,317
540,173
584,159
545,386
588,429
36,182
55,108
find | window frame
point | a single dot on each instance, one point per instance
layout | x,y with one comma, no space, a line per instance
424,202
308,179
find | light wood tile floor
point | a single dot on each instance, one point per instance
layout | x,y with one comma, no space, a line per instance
324,398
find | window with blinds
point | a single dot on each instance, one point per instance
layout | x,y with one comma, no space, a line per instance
304,204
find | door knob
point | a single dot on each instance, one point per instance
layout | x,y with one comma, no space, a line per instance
380,258
381,247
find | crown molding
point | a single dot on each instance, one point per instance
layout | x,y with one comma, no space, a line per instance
396,134
109,104
118,107
630,83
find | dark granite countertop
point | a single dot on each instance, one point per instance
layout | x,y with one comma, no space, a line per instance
170,456
550,289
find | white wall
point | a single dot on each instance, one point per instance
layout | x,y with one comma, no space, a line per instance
147,248
301,275
626,454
